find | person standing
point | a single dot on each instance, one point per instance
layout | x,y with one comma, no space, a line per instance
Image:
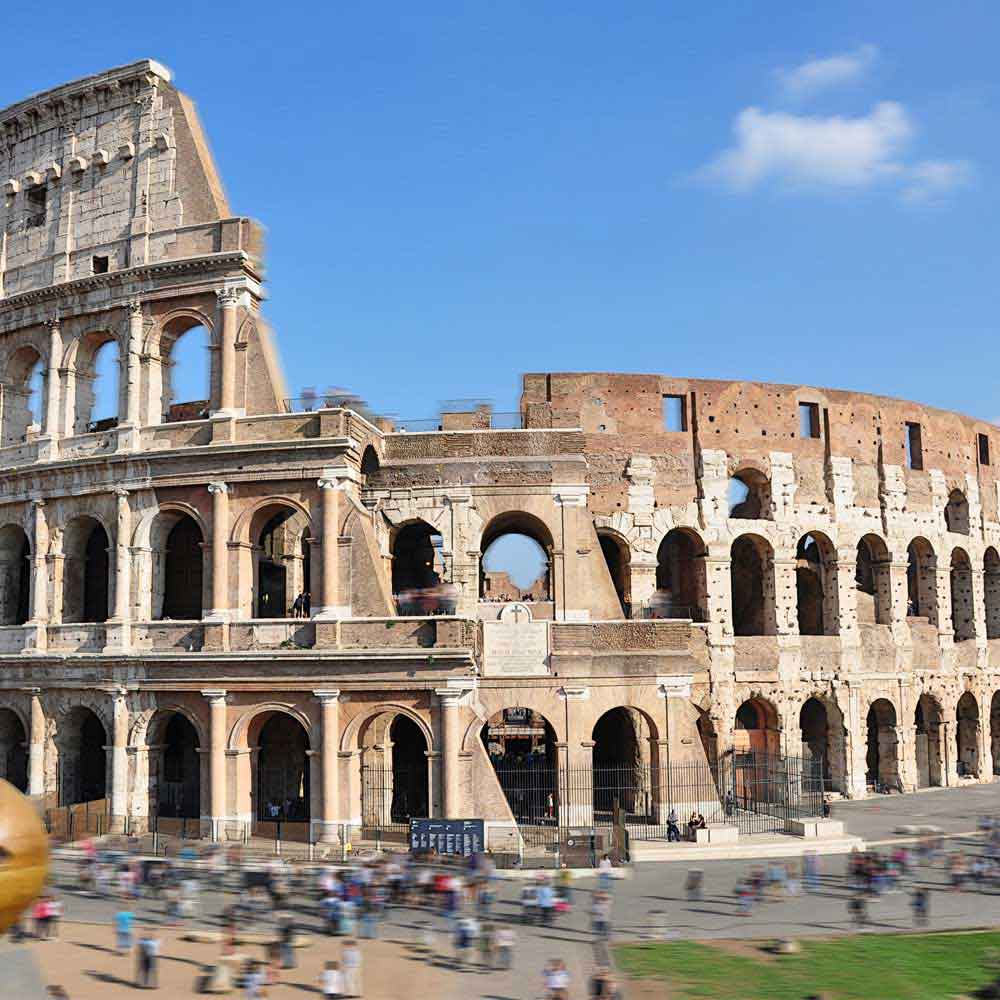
286,937
921,907
350,962
505,947
123,929
331,981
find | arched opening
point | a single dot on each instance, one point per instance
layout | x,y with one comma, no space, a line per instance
823,742
281,559
928,749
881,757
82,758
872,582
516,559
417,570
681,585
13,750
185,372
24,396
369,461
617,558
521,744
282,784
956,513
921,580
175,785
816,586
752,585
757,729
991,592
967,735
15,575
622,776
93,383
749,495
182,559
995,730
394,775
963,618
86,571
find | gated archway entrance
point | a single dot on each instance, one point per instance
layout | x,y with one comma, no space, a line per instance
82,758
282,780
967,735
881,757
928,749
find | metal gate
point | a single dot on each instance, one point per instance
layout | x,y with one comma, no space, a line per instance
762,792
389,800
535,795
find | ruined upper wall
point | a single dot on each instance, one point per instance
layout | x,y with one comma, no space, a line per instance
108,172
622,415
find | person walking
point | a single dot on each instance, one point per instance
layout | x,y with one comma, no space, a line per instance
146,958
350,962
505,947
331,981
286,940
673,830
921,907
123,929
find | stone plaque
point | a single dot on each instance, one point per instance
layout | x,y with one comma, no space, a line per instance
515,646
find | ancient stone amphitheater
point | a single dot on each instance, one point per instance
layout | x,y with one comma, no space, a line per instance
807,579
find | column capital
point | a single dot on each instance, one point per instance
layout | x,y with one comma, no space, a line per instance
37,501
215,695
571,496
678,686
121,492
327,697
450,697
30,690
574,693
229,298
134,307
218,487
53,322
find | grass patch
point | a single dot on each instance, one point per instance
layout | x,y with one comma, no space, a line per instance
900,966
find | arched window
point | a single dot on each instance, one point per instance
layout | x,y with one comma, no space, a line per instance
749,495
24,396
369,462
185,376
756,728
967,735
174,786
620,777
418,571
681,587
616,557
927,719
86,571
183,571
93,383
15,575
991,592
752,586
516,559
822,727
282,785
963,618
82,758
873,582
816,586
956,513
921,580
882,757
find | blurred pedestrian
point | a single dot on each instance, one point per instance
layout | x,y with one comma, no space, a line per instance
350,962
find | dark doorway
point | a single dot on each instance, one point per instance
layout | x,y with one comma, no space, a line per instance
13,750
182,580
180,786
82,758
95,576
409,771
282,770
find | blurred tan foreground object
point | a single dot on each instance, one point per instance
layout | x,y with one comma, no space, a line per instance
24,854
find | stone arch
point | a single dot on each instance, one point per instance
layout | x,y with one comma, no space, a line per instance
622,762
87,568
749,494
418,569
816,585
524,524
25,393
15,575
176,584
681,579
967,736
752,586
821,723
921,580
82,760
176,769
370,464
280,786
160,345
873,582
956,513
13,748
351,735
757,726
618,560
240,733
80,383
963,616
928,746
882,746
395,769
991,592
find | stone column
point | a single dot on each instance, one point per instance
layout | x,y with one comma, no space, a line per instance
217,805
117,631
451,738
899,600
131,371
327,606
228,301
329,702
39,610
36,746
220,533
51,428
119,761
847,595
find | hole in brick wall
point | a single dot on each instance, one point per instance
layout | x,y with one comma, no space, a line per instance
101,265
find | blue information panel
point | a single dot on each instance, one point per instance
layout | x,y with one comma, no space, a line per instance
447,836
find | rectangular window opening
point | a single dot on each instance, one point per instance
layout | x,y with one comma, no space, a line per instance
674,413
36,198
914,450
101,265
809,420
984,449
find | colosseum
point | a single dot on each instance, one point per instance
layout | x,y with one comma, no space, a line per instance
803,578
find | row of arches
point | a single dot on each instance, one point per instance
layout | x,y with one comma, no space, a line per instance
92,382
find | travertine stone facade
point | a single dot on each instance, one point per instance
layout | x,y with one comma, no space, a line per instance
830,558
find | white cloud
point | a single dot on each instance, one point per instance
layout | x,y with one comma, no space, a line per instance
931,180
810,152
821,74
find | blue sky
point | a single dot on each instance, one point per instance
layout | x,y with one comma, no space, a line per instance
455,194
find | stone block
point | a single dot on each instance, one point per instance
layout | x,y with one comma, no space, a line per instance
717,835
